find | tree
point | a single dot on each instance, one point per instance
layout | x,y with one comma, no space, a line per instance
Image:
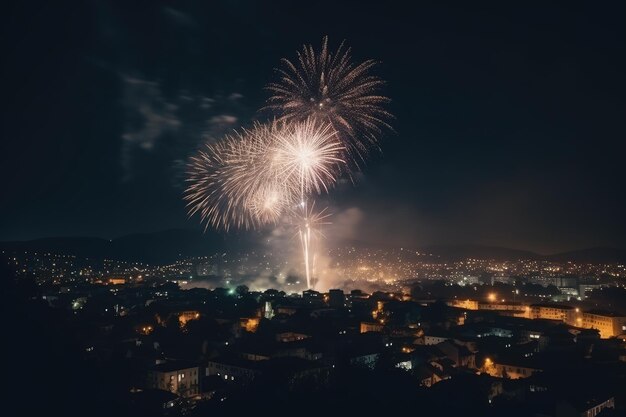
242,290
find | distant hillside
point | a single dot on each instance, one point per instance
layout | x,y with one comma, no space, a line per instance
79,246
591,255
168,246
155,248
454,252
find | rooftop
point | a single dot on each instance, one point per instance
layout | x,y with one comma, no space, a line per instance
177,365
549,305
605,313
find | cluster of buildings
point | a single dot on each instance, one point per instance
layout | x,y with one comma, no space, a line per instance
541,348
607,323
359,267
197,348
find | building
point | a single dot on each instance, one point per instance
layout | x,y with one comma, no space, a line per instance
581,407
371,327
558,312
268,310
511,369
336,299
428,375
503,306
585,289
435,339
250,324
461,356
287,310
178,377
152,402
294,373
311,295
609,324
466,304
185,316
564,281
286,337
367,360
233,370
517,309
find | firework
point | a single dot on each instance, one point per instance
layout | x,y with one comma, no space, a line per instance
252,177
270,202
306,155
313,219
249,182
226,179
205,195
329,113
331,88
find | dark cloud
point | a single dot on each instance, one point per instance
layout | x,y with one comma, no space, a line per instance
174,125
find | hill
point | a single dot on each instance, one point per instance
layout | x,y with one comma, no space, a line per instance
167,246
154,248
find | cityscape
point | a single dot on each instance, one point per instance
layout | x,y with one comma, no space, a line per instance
243,208
384,270
201,335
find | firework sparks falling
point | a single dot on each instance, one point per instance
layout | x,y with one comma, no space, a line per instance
330,87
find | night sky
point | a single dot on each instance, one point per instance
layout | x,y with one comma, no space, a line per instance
510,122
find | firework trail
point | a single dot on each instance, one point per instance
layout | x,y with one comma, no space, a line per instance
309,228
330,87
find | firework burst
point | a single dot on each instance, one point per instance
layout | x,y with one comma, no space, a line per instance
252,177
205,194
270,202
331,88
226,181
306,155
